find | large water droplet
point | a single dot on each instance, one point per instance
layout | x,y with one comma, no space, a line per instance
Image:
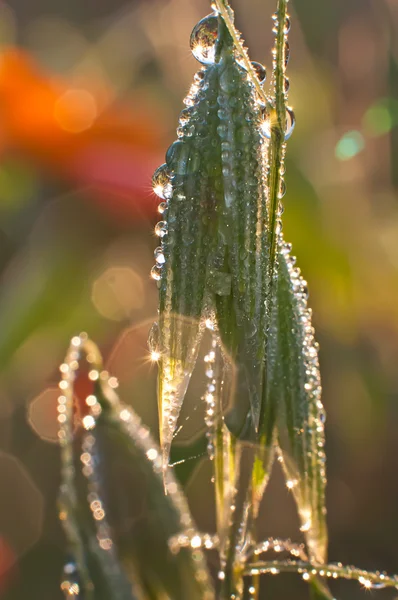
290,123
161,183
287,24
177,157
260,71
204,39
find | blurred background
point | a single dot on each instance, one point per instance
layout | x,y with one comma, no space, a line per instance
90,94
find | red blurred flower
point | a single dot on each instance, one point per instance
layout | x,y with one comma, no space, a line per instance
68,131
8,569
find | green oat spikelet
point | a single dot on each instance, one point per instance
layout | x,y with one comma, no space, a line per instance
212,232
223,259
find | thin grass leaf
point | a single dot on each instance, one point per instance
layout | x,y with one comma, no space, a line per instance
128,552
188,237
301,415
319,590
276,126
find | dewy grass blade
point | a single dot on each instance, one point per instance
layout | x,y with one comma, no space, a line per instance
214,205
193,168
276,125
301,414
128,558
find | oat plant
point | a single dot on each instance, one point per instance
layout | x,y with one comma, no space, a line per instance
226,278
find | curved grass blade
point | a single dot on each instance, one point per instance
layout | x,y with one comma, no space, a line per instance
128,550
276,125
301,415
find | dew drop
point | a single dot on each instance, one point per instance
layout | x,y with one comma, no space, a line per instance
286,85
185,115
204,39
159,256
70,581
287,53
287,25
161,182
153,338
161,229
162,207
156,273
304,290
260,71
228,80
222,131
189,101
282,189
290,123
199,76
265,127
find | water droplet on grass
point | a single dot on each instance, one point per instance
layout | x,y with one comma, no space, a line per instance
287,53
161,182
203,40
290,123
260,71
161,229
159,256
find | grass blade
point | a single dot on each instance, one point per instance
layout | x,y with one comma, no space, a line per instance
301,416
129,557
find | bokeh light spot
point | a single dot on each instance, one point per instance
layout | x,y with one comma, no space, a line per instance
378,120
349,145
381,117
75,110
118,292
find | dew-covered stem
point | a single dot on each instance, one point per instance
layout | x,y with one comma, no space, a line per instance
68,501
228,16
277,119
369,580
254,589
232,574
